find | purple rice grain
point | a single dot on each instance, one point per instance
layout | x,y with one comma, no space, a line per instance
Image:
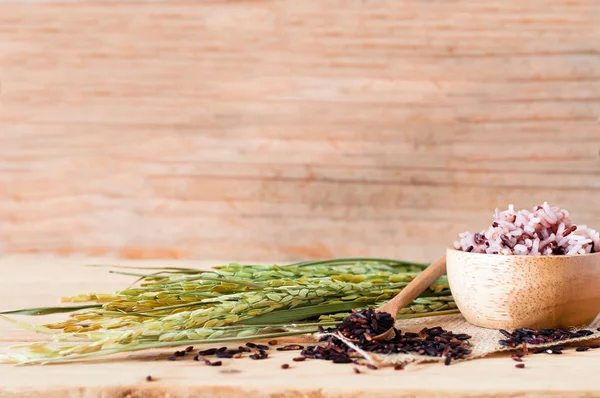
520,365
372,367
189,349
356,370
172,358
273,342
285,366
581,349
299,359
149,378
594,346
216,363
251,345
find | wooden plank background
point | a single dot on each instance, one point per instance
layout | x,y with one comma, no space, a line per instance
274,129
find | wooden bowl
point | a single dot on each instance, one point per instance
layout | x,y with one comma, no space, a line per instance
508,292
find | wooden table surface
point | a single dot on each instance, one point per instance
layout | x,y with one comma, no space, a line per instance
36,281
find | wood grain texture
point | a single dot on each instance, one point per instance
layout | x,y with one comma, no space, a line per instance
290,129
574,374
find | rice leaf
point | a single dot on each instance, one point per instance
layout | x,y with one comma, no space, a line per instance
50,310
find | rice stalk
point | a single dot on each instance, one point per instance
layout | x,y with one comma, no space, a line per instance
175,305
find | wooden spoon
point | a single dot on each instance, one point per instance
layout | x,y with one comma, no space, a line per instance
411,292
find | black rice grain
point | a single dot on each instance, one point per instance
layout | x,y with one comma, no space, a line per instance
259,354
224,354
291,347
149,378
189,349
361,326
342,360
543,336
583,348
365,323
230,371
299,359
251,345
285,366
520,365
273,342
262,347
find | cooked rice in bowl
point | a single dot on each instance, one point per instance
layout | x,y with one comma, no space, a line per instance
545,231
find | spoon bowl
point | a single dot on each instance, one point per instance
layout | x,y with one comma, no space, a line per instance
508,292
411,292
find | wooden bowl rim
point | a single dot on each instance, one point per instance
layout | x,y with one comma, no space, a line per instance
521,256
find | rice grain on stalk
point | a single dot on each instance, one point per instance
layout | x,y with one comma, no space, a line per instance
171,307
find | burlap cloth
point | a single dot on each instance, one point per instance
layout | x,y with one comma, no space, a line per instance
483,342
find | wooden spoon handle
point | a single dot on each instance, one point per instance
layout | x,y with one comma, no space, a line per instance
415,287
